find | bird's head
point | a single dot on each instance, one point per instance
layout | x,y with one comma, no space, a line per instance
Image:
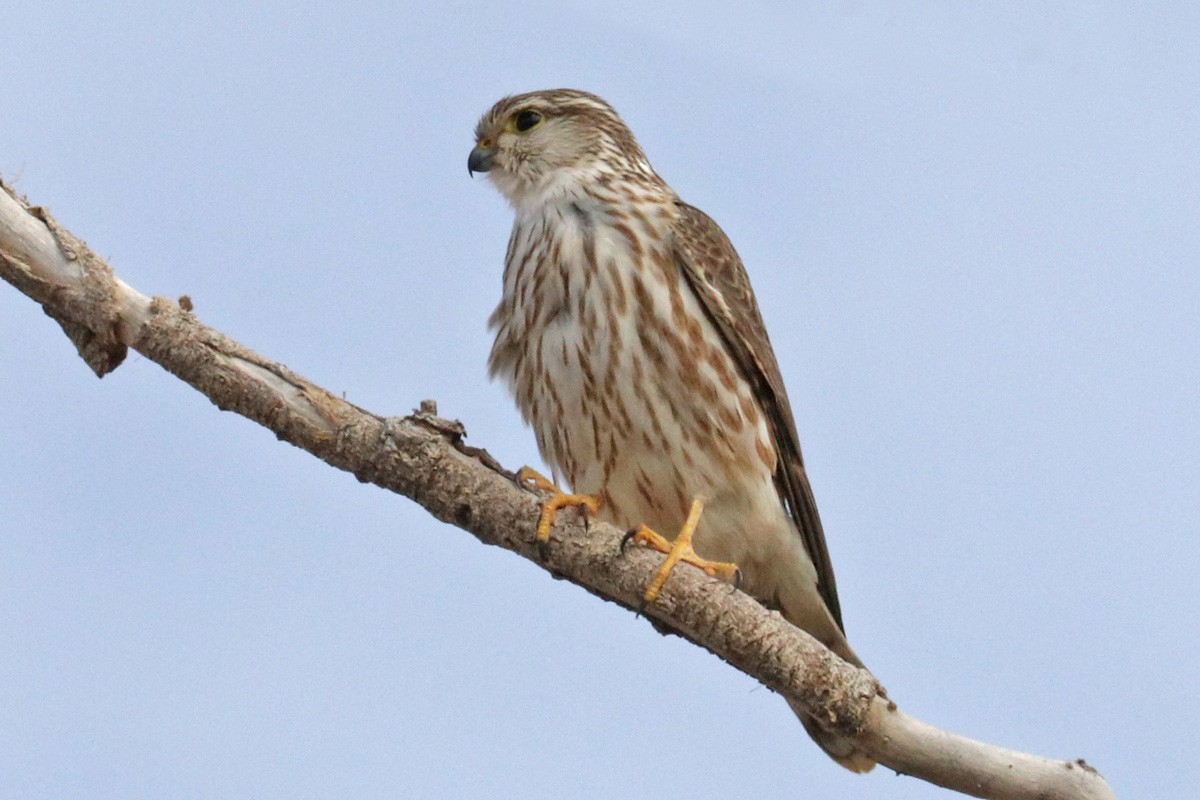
537,145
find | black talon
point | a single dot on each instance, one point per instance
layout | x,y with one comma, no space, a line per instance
543,548
737,579
627,538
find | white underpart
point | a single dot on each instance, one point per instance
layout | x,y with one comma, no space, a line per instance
744,520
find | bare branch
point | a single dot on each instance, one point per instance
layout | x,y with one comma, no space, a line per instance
423,457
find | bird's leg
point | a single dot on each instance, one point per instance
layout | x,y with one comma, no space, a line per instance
531,478
679,550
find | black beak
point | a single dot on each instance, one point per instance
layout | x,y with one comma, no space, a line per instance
481,159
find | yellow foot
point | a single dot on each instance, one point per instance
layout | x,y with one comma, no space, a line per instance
531,478
679,550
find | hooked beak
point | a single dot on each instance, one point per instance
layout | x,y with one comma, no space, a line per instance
482,159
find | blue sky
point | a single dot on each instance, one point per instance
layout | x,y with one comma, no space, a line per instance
973,234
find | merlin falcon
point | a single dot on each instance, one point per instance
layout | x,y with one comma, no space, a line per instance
630,337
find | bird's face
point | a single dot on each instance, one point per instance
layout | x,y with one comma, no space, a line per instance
535,144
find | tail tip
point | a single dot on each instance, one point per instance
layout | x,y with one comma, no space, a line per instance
839,748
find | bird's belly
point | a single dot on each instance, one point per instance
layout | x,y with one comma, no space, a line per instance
648,444
649,441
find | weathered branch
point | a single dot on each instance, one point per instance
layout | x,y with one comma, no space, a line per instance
423,457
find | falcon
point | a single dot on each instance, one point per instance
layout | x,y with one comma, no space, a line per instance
631,340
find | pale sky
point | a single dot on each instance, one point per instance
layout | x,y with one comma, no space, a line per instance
973,233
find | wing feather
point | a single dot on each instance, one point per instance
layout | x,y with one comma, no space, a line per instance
716,275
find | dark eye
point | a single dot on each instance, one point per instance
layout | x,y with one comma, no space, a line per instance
526,120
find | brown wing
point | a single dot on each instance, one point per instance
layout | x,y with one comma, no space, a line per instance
716,275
